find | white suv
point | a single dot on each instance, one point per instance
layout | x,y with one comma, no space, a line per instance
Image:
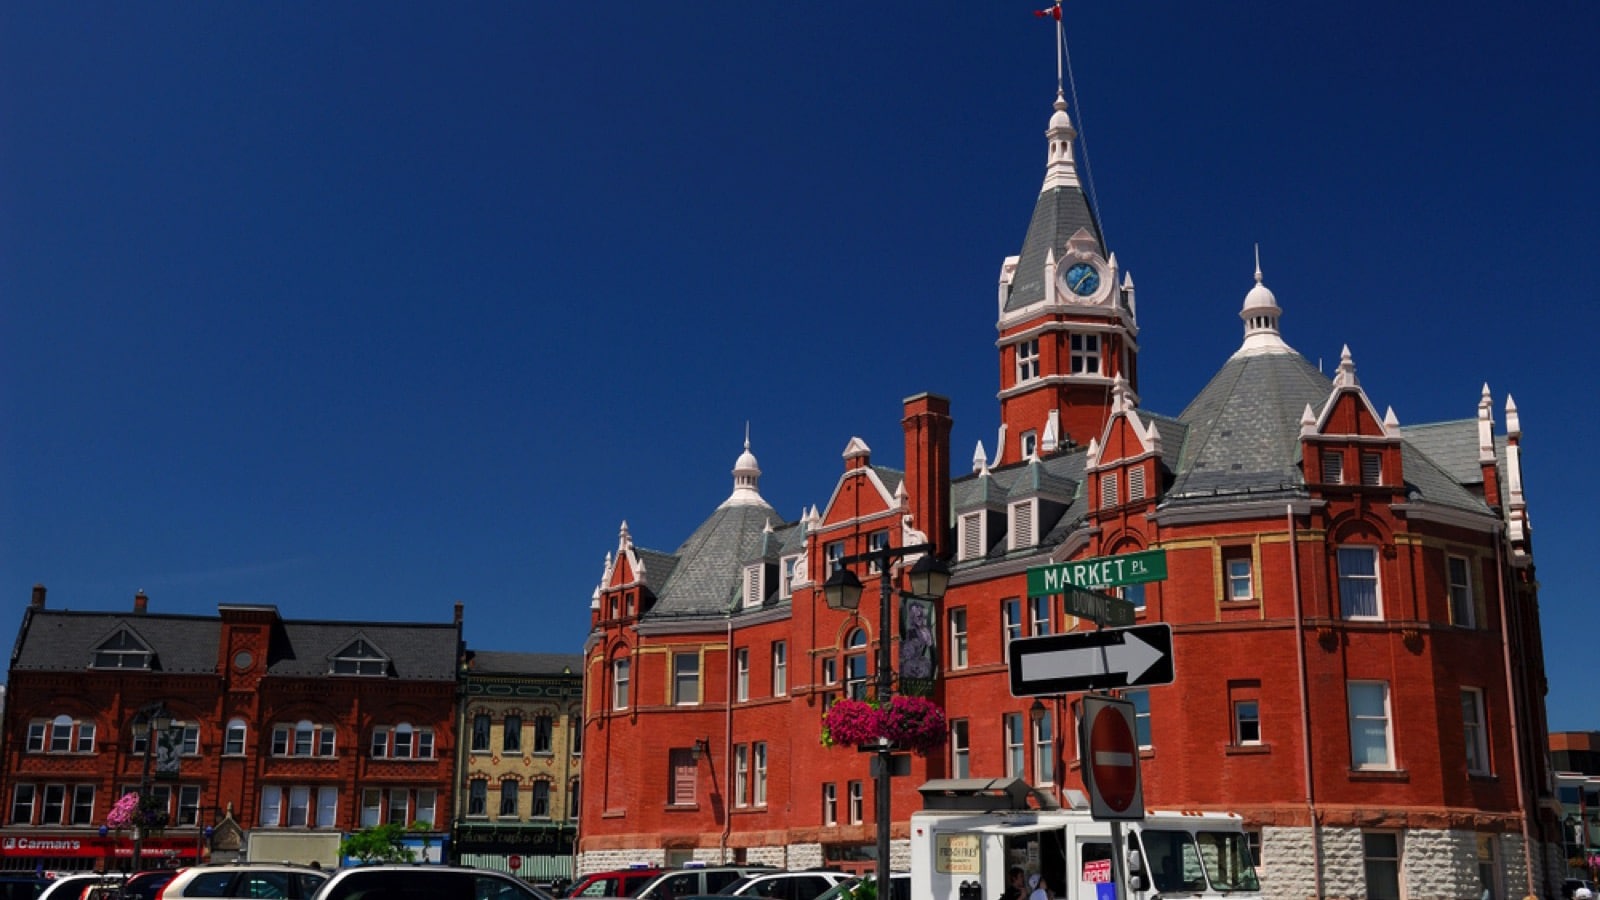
425,882
283,880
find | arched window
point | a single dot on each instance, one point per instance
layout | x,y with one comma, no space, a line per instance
855,665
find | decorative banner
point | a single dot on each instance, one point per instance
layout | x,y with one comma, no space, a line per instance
169,743
919,646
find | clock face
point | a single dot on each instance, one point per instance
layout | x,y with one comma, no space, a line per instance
1082,279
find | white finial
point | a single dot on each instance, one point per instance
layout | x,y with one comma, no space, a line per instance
1346,376
1258,262
746,478
1513,422
980,457
1485,426
1060,170
1260,314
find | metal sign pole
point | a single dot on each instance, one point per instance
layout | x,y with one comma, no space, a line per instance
1119,860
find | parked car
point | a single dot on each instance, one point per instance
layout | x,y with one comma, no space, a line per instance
617,883
22,887
282,880
696,880
1571,885
805,885
147,885
70,887
414,882
899,888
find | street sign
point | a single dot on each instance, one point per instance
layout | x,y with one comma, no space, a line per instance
1110,755
515,862
1091,660
1099,572
1101,609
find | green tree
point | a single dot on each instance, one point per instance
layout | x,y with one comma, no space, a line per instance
380,844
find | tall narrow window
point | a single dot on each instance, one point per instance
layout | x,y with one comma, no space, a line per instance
786,578
22,800
478,798
511,737
1358,582
855,665
958,638
1044,749
233,742
741,667
480,733
1085,354
972,543
371,808
1332,467
1027,360
544,727
960,750
685,679
855,802
55,805
1371,468
619,684
508,799
1108,489
780,668
1021,533
327,806
1463,606
1472,727
1370,743
1236,563
540,808
830,804
299,806
83,804
1136,484
271,806
759,766
427,803
741,775
833,552
1016,744
1380,852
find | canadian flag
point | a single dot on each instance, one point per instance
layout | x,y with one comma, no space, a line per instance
1053,12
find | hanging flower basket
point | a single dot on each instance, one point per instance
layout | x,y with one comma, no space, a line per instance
134,811
908,723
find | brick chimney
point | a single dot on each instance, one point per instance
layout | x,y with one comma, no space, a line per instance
460,607
927,425
38,597
141,603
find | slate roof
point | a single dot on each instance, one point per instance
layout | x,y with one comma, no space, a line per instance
501,662
1243,429
705,580
64,641
1426,480
1057,216
1453,446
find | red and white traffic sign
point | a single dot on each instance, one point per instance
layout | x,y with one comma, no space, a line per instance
515,862
1110,755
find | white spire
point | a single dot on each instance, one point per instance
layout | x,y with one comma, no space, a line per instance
746,478
1260,315
1060,170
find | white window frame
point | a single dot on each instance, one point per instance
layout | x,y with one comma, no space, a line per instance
787,568
1247,722
686,679
741,776
233,741
780,668
741,667
1239,573
1136,484
82,804
758,767
855,802
830,803
957,617
1109,495
1027,360
619,684
1475,731
960,749
1143,724
1016,744
1039,616
1044,744
1010,624
1028,444
1351,580
1463,602
1085,353
271,815
754,584
973,531
1375,712
876,541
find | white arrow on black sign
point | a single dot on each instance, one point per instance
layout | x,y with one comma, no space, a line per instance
1091,660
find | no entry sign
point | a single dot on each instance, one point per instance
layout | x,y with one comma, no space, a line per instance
1110,755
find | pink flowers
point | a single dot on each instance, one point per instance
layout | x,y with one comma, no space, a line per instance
911,723
130,811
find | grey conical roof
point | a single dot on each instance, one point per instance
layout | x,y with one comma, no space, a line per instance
1244,427
710,564
1057,215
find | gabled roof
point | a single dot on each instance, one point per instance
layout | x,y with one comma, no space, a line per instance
1243,429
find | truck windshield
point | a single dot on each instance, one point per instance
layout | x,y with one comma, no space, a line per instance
1180,862
1227,859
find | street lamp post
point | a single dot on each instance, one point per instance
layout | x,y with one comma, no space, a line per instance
152,721
929,578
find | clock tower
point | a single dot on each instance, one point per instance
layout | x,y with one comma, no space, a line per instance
1066,317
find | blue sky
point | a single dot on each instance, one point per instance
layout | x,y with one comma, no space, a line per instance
361,309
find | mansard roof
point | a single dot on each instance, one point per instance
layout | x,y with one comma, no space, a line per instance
502,662
64,641
705,579
1243,434
1453,447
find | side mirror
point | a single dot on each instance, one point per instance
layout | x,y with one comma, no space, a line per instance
1135,861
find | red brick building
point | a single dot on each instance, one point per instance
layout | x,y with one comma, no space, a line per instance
284,732
1355,616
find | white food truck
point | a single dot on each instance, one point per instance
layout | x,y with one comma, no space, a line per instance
971,832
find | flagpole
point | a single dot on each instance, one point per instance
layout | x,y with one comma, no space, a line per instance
1060,40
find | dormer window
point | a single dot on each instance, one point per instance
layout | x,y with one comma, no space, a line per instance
359,658
1023,516
1028,444
972,546
787,568
754,586
122,651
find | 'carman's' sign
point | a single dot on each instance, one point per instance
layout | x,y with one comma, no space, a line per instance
1098,572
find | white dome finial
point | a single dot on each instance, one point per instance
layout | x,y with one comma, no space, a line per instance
1060,170
746,478
1260,315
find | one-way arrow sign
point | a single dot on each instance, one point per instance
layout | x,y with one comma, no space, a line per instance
1091,660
